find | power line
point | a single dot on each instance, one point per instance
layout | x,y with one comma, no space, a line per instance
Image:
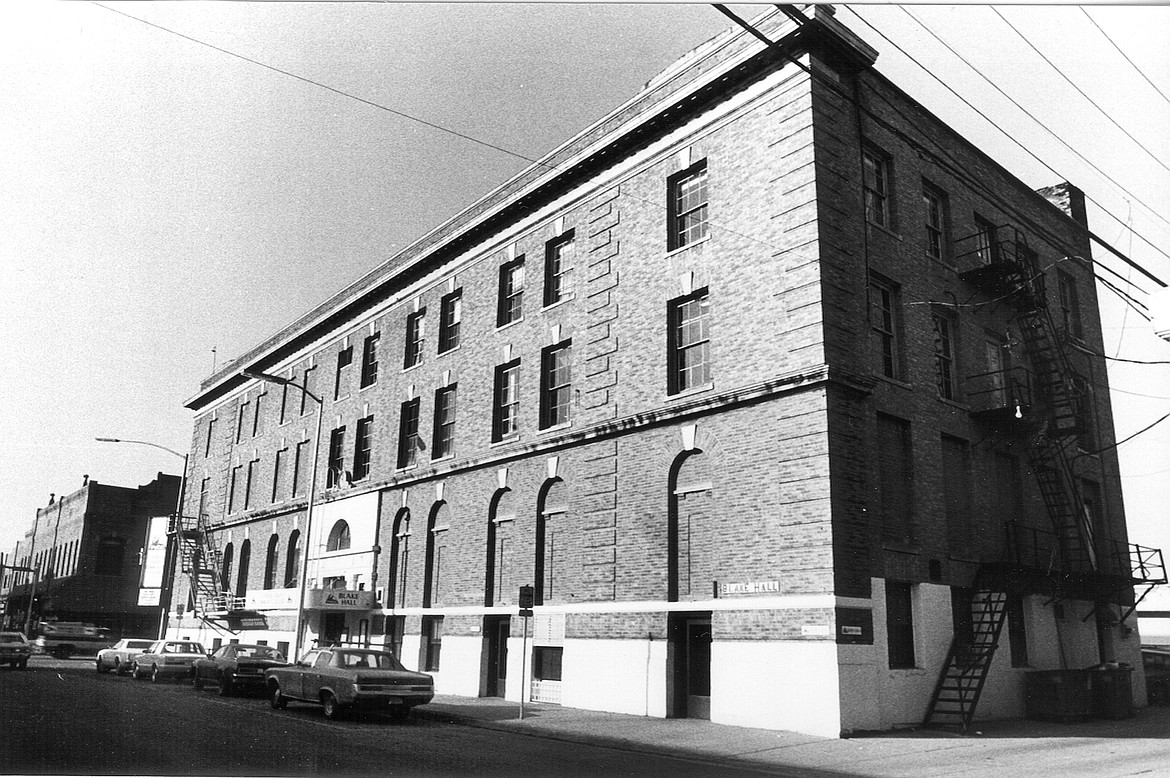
1031,116
1127,59
1081,91
1090,352
1007,135
1147,428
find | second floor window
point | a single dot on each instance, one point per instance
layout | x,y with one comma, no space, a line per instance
510,307
556,385
443,431
687,206
985,241
408,440
336,466
339,538
558,268
876,176
934,203
688,342
945,369
278,474
883,301
300,475
450,317
415,324
361,448
506,401
370,360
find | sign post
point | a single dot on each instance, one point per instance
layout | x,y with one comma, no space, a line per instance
526,599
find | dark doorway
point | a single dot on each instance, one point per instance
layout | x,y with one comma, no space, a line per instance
496,630
690,636
332,628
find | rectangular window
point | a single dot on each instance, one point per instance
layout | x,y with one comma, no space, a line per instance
240,419
204,492
250,483
283,403
510,306
986,249
945,342
876,174
558,268
885,319
935,204
895,479
415,326
443,429
688,342
1017,631
210,436
686,201
506,404
310,374
300,468
233,489
1082,397
1070,306
278,474
344,360
432,642
370,360
556,384
336,466
408,439
361,448
450,317
257,416
956,466
900,624
546,663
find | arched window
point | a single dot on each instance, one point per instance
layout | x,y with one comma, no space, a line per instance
499,540
688,531
242,576
433,558
338,537
551,506
270,562
225,575
111,553
399,559
292,560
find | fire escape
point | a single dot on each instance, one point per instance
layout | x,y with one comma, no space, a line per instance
1043,404
201,560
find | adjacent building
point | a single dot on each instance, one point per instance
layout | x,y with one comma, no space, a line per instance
780,395
88,548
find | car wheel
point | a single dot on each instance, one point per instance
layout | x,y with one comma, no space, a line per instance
136,672
196,681
21,665
275,698
225,685
332,709
118,666
155,677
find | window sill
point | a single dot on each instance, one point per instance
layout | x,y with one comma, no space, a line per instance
451,350
681,249
505,441
370,385
513,323
886,230
894,381
341,398
694,390
444,458
557,427
568,298
415,366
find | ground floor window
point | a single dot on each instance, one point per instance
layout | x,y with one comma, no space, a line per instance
432,642
900,624
546,663
1017,633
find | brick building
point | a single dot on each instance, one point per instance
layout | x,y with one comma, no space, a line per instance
88,547
761,382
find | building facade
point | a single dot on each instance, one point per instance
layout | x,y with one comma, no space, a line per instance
88,548
761,383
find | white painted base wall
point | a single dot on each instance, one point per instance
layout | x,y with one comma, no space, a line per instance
776,685
634,673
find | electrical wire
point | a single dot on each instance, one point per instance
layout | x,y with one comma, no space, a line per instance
1090,352
1147,428
1031,116
1104,113
1127,59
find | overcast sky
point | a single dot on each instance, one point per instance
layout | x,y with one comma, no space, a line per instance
165,205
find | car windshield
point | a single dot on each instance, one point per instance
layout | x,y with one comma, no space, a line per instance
11,637
138,643
374,660
185,647
258,652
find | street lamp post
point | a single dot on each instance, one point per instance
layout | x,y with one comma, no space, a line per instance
304,576
169,553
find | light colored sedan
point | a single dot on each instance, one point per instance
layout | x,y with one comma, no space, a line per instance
167,659
14,649
338,679
120,657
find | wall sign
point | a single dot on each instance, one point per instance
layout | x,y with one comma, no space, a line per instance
748,587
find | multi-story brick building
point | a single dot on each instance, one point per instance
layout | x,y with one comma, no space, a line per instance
760,382
88,548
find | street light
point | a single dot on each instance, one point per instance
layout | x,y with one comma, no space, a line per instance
304,578
168,553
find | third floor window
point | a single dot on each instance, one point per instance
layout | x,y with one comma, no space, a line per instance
687,206
510,307
450,317
688,342
370,360
558,268
506,401
415,337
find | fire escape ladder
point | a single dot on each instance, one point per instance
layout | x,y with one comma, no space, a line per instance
202,561
960,684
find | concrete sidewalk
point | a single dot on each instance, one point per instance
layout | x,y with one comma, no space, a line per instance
1004,748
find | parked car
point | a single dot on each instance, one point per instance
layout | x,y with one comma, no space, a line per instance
342,678
167,659
14,649
236,666
1156,662
64,639
120,657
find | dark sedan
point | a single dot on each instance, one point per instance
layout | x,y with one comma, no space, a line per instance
236,666
338,679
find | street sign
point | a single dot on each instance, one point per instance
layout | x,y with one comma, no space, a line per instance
526,597
526,612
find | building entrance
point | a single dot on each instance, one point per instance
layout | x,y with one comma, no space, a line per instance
333,628
690,636
496,631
